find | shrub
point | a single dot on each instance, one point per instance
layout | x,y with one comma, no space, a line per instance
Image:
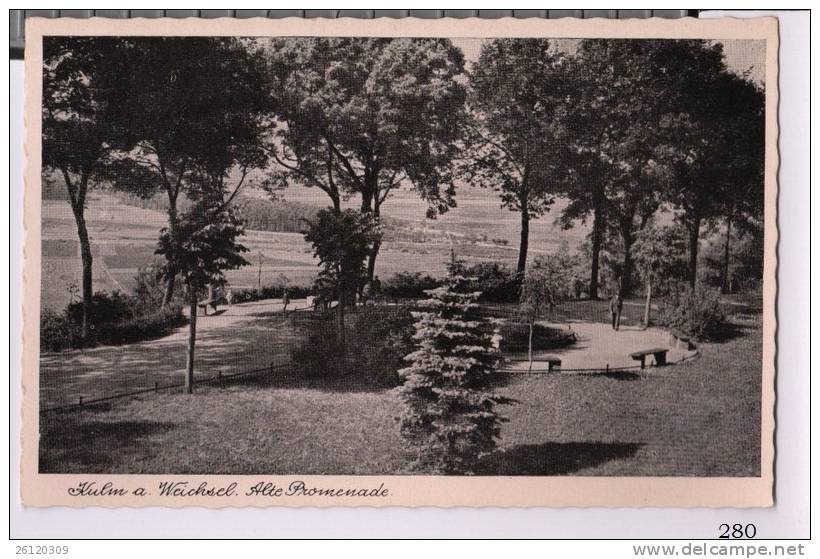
105,308
115,318
496,282
272,291
515,337
156,324
56,331
150,290
383,338
697,312
406,285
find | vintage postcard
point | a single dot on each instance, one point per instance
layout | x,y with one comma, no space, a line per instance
400,262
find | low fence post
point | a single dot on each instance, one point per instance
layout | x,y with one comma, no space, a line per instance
270,368
81,401
156,387
219,378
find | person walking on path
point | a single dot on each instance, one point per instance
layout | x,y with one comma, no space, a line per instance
616,305
285,300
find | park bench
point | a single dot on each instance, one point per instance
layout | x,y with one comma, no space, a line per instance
681,339
552,362
209,303
659,353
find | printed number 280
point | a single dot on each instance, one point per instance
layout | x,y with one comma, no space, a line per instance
737,531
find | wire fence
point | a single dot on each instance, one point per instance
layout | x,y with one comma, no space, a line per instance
265,342
217,378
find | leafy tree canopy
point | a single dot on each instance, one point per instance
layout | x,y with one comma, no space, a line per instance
518,91
360,116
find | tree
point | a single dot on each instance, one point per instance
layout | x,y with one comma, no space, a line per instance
714,144
204,246
450,415
342,243
362,116
627,115
547,282
657,255
518,91
616,118
585,190
83,89
196,116
743,158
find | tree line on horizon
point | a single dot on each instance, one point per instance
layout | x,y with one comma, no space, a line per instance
620,128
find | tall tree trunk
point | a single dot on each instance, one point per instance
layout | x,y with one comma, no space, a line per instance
648,304
523,202
367,202
76,196
524,246
694,237
173,221
168,294
189,366
87,265
626,265
371,260
374,206
597,240
726,256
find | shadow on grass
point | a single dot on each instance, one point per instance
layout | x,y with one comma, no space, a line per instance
68,444
729,332
554,459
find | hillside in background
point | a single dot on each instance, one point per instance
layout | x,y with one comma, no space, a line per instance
124,231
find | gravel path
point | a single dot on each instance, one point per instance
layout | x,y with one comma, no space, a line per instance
599,345
238,338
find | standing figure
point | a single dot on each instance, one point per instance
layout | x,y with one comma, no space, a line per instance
616,304
285,300
228,294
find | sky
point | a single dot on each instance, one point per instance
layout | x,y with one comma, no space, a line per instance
741,54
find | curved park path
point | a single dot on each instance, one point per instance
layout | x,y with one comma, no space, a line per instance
238,338
254,335
699,418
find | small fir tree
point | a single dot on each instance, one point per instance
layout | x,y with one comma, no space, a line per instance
450,418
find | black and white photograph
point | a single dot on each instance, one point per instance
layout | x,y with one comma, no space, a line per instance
400,256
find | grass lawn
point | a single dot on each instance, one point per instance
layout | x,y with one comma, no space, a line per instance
242,429
701,418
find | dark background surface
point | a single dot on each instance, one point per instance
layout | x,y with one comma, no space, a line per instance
17,18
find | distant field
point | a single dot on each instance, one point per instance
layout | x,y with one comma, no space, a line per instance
124,237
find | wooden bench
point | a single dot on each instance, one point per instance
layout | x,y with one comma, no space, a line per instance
552,362
209,303
659,353
679,338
